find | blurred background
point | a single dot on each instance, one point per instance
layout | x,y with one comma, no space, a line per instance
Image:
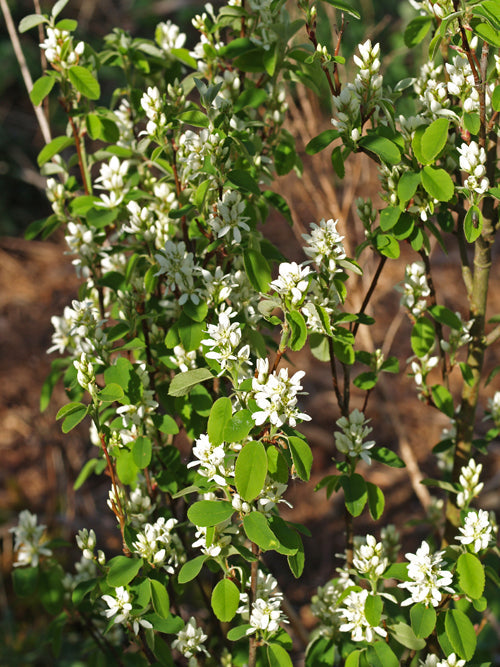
39,465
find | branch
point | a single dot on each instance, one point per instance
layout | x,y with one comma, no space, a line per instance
28,81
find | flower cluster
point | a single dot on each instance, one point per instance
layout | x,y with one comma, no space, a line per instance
473,161
370,559
59,49
427,579
469,480
476,531
355,620
191,640
325,245
29,541
415,289
352,439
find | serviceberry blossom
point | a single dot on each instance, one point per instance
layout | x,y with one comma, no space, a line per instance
267,588
141,221
420,368
473,162
185,361
469,480
210,458
461,83
81,242
178,266
271,495
354,431
86,541
369,558
347,120
224,338
153,107
325,245
168,36
112,177
276,398
29,540
427,577
56,194
219,539
477,530
158,544
125,124
59,50
325,604
85,375
355,621
458,337
368,81
291,284
190,640
266,616
229,219
451,661
119,605
415,289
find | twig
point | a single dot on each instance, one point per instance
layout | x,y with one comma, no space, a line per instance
28,81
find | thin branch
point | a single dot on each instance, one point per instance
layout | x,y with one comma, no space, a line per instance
28,81
371,289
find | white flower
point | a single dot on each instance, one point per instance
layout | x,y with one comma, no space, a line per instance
266,616
229,219
325,245
451,661
369,558
119,606
494,408
277,398
168,36
473,162
476,530
210,459
179,267
152,104
85,374
59,50
351,441
469,479
157,544
190,640
225,336
353,613
28,540
86,541
415,289
426,577
291,283
112,178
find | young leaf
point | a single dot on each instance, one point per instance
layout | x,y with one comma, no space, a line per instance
473,224
423,619
355,493
239,426
85,82
321,141
443,400
423,337
471,576
460,633
251,470
57,8
376,500
74,418
278,656
225,600
111,392
302,457
55,146
191,569
41,88
297,561
243,181
416,30
122,570
373,609
404,634
206,513
434,139
182,383
298,330
220,414
344,7
446,316
257,530
386,149
257,270
31,21
141,451
389,217
160,598
387,456
437,183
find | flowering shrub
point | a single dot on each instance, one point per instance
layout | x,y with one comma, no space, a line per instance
180,334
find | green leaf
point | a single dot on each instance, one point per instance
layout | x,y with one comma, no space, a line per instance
90,466
191,569
253,97
239,426
387,456
257,530
210,512
242,180
31,21
460,633
443,400
373,609
239,632
344,7
298,330
122,570
495,99
423,619
376,500
182,383
471,577
111,392
126,468
85,82
338,162
352,660
446,316
251,470
257,270
434,139
225,600
81,591
74,418
194,117
102,128
297,561
196,312
25,580
387,245
389,217
380,654
279,204
142,450
386,149
220,414
416,30
160,598
473,224
404,634
41,88
51,591
58,7
437,183
277,467
423,337
302,457
53,148
355,493
321,141
472,122
278,656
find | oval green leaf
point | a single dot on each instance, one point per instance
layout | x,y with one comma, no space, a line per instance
191,569
225,600
182,383
355,493
302,457
257,530
434,139
122,570
437,183
210,512
461,633
220,414
85,82
160,598
423,619
141,451
423,337
251,470
471,576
